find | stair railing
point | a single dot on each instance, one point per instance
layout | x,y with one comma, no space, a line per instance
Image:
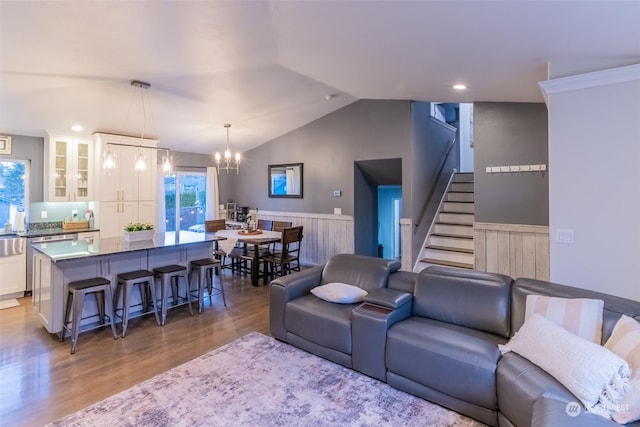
418,220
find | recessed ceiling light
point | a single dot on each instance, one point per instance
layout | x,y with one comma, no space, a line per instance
77,128
459,87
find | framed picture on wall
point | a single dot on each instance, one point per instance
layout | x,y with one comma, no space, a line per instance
5,144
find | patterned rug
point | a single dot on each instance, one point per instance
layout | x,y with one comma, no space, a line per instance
258,381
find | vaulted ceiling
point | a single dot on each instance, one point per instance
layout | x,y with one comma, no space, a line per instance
268,67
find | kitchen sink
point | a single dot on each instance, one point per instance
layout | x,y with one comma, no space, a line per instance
11,245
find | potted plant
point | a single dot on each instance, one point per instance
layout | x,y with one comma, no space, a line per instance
135,231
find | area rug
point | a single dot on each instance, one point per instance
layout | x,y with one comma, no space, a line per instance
8,303
258,381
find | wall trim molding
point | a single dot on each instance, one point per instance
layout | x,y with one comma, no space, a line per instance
307,215
592,79
518,228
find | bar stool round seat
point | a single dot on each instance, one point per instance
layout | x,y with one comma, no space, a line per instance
125,284
169,276
204,269
101,288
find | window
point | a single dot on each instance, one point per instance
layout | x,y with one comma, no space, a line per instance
14,189
185,201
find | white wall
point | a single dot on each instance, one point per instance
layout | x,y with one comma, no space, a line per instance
594,180
466,151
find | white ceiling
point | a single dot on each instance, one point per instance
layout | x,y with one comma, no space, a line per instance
267,66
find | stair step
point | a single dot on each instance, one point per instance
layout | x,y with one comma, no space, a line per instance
463,177
456,242
450,249
466,187
458,207
453,229
445,255
447,263
457,196
456,218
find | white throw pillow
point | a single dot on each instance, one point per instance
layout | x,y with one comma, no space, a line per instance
625,342
596,376
580,316
339,292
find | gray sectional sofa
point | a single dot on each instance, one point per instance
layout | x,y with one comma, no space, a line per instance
435,335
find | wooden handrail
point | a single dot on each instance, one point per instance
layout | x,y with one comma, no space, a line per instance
423,210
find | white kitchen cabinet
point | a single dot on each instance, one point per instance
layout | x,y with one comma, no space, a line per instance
125,194
69,172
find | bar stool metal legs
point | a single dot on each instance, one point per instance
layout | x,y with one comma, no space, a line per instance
101,288
204,269
167,275
126,281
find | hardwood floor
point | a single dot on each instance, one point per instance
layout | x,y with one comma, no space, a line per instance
40,381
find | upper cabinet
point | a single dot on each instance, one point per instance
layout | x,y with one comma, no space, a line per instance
126,193
69,168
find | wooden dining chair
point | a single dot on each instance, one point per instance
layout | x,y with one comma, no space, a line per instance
279,264
265,224
211,226
278,226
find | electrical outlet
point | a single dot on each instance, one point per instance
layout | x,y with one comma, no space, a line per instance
74,212
43,214
564,236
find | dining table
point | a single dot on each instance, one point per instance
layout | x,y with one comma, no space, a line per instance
248,239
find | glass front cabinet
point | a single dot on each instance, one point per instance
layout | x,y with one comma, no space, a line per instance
68,171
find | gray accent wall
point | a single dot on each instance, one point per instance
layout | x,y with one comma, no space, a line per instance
508,134
328,147
30,148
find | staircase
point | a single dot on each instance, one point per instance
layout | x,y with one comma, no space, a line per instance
450,239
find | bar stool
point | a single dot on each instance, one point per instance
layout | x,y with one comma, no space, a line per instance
204,269
168,275
101,288
126,281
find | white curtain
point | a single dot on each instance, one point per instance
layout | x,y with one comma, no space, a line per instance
162,224
213,199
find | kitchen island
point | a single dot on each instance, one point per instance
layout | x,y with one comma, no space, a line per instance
56,264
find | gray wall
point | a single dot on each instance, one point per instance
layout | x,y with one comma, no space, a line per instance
30,148
429,143
328,147
511,134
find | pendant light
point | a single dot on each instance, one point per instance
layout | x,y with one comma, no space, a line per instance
228,164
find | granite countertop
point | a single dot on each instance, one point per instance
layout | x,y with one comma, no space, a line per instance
53,232
75,249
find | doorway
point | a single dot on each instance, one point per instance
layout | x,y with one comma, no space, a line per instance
185,201
377,201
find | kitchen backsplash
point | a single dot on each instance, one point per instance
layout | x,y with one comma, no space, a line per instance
56,213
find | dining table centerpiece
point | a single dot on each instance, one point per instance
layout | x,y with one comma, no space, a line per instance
137,231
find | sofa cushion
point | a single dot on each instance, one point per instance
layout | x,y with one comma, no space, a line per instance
340,293
321,322
467,298
592,373
452,359
358,270
614,307
580,316
519,385
625,342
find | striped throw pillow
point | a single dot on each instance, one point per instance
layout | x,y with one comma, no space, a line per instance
580,316
625,343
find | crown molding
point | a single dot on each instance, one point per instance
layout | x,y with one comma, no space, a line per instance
589,80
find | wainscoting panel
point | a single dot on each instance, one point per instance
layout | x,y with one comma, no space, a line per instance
513,249
325,235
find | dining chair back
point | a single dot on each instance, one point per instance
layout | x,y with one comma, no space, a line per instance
282,263
215,225
265,224
280,225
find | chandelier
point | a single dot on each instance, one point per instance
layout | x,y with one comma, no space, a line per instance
228,164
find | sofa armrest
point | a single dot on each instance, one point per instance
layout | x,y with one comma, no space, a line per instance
287,288
369,326
551,412
388,298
